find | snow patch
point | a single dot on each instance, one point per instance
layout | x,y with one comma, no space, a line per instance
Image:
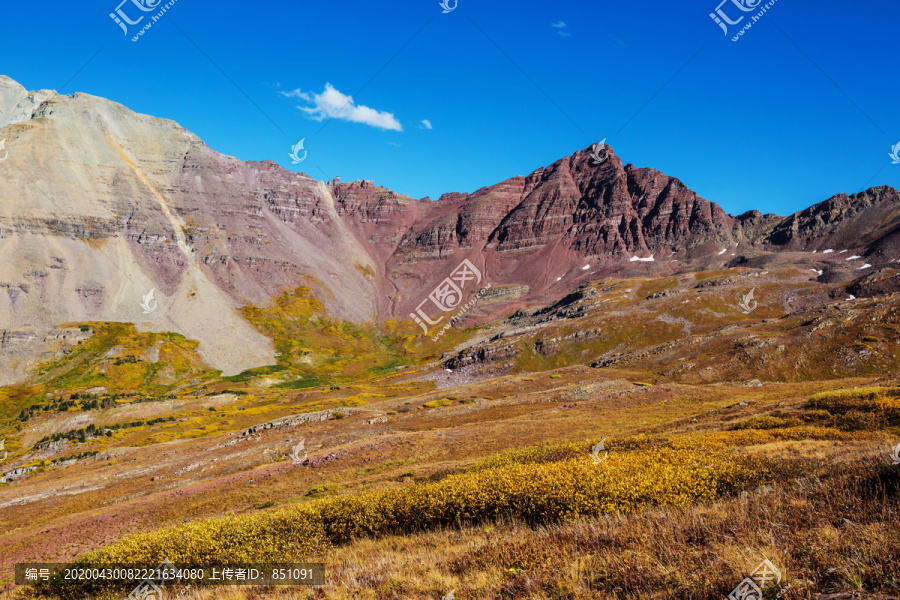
636,259
724,250
585,267
829,251
854,257
865,266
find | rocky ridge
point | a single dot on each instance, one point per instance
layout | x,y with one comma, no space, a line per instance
101,205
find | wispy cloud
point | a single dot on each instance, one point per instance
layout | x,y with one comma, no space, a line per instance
294,94
332,104
426,124
560,27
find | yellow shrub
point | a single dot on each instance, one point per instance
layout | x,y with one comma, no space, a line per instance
285,536
870,398
438,403
533,455
535,493
288,535
883,402
765,422
750,437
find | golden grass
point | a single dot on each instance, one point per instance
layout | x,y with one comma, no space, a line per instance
885,401
225,540
552,486
697,441
765,422
752,437
533,493
812,526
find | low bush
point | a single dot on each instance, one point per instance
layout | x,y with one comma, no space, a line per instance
766,422
848,406
533,493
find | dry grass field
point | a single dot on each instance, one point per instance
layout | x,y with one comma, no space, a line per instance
465,467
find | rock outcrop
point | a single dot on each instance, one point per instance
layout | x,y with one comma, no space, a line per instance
101,205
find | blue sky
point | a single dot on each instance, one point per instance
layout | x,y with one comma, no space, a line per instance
805,105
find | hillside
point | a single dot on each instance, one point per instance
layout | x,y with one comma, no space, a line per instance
102,205
108,442
615,389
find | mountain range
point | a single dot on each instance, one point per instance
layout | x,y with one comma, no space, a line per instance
102,206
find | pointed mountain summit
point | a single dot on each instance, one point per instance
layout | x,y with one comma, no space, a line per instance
100,205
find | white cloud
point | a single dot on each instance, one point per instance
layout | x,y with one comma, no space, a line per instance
332,104
295,94
560,27
426,124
